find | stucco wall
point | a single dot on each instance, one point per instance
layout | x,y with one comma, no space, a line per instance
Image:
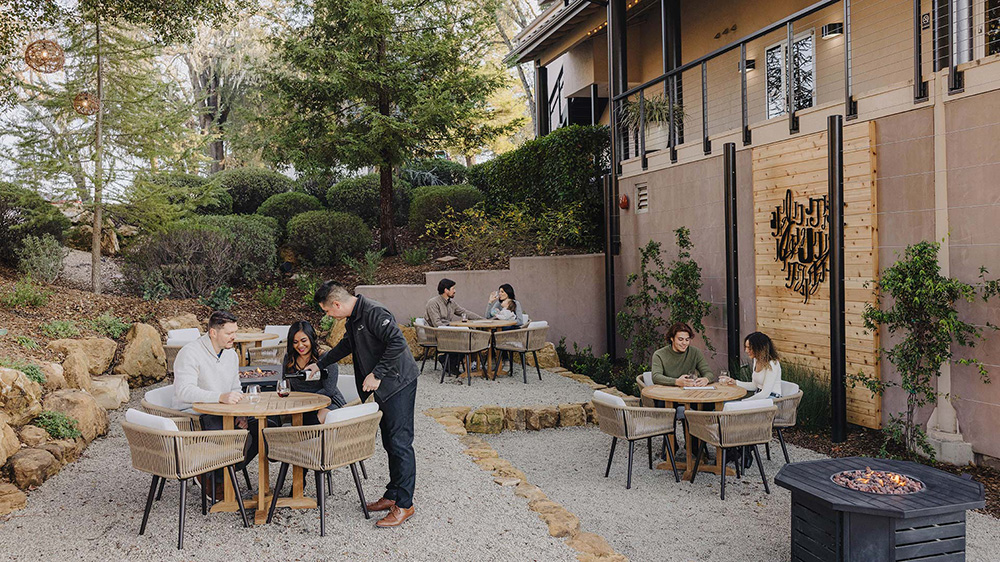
565,291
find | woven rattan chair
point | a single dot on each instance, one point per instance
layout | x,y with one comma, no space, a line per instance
345,441
728,429
266,355
632,424
522,341
160,401
160,449
176,339
427,339
468,342
788,406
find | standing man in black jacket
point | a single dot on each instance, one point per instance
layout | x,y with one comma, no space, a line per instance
383,365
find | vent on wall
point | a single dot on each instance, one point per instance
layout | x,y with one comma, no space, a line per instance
641,198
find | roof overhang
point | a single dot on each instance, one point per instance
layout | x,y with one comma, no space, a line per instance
560,20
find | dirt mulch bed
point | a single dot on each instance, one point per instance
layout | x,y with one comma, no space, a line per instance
864,442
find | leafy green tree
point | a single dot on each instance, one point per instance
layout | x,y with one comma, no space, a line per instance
641,319
375,83
684,281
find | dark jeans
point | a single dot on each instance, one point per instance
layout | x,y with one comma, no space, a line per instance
397,439
213,423
452,361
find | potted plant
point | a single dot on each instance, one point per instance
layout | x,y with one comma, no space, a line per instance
656,110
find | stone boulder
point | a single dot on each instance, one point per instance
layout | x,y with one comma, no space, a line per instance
143,360
571,415
336,334
541,417
91,418
110,391
20,397
9,443
180,322
410,333
71,449
76,371
485,419
100,352
11,499
31,467
33,436
588,407
592,544
55,379
547,357
457,412
514,419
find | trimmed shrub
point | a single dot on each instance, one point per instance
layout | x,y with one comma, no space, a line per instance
431,200
317,184
191,259
250,187
284,206
41,257
253,241
433,171
220,299
24,213
326,237
360,196
26,292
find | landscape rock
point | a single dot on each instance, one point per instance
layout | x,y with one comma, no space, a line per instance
514,419
492,463
588,407
541,417
33,436
481,452
11,499
452,425
547,357
54,377
485,419
510,472
530,492
458,412
128,231
143,360
180,322
9,443
410,333
20,397
506,481
99,352
571,415
76,371
31,467
110,246
590,543
337,334
110,391
91,418
562,523
70,449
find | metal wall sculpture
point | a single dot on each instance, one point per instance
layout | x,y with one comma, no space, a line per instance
802,242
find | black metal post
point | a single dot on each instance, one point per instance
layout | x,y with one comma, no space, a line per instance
705,143
541,100
919,84
956,79
747,137
838,348
850,104
793,120
618,83
594,117
642,129
672,135
609,265
732,256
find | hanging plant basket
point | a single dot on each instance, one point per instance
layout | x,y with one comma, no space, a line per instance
86,103
44,56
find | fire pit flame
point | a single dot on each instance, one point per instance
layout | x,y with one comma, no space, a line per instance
877,481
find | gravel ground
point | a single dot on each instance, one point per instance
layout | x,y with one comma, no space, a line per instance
77,267
660,519
94,506
505,391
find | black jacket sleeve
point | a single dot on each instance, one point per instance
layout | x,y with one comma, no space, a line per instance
343,349
385,329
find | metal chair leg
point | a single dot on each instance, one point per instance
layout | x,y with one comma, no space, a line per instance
329,482
361,493
321,502
246,476
468,368
213,487
631,450
277,490
424,362
204,497
364,471
614,441
697,461
159,491
180,517
149,503
524,369
444,367
537,368
767,449
760,466
784,450
239,495
649,447
722,473
670,455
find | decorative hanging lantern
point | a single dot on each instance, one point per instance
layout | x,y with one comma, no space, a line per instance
45,56
86,103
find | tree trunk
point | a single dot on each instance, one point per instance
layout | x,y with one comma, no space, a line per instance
529,97
95,250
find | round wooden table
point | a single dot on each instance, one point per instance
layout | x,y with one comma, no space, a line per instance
694,399
296,404
256,338
486,324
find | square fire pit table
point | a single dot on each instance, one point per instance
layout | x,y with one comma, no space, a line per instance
834,523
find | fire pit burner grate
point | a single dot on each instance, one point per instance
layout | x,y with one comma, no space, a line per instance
878,482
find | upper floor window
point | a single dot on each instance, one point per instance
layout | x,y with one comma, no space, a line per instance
803,69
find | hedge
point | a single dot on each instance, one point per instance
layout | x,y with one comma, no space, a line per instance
360,196
284,206
430,201
254,240
434,171
326,237
24,213
250,187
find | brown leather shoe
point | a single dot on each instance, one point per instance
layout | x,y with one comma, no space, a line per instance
381,505
395,517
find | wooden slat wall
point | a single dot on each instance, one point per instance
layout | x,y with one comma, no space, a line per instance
800,330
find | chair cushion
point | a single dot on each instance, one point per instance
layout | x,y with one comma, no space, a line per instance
149,420
647,378
747,405
538,324
454,328
163,396
609,399
280,331
788,388
351,412
182,336
419,322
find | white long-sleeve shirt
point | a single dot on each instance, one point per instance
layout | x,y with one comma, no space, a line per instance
765,382
201,375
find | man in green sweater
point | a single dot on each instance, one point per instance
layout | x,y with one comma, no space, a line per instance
677,363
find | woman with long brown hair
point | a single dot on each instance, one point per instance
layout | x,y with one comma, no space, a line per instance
766,369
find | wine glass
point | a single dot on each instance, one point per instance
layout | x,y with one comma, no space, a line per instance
284,389
465,317
253,393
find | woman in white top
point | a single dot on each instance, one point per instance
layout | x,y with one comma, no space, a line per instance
766,378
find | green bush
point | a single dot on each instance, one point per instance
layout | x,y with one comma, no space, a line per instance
59,425
26,293
26,343
270,296
360,196
41,257
416,256
284,206
326,323
433,171
191,259
430,201
253,243
559,169
156,200
814,409
152,287
60,329
250,187
30,370
326,237
24,213
307,283
220,299
317,184
109,325
367,269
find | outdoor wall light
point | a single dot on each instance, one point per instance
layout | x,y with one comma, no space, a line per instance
832,30
750,65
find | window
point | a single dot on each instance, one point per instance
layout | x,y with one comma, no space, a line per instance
804,69
992,27
641,198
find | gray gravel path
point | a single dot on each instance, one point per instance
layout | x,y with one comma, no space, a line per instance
660,519
504,391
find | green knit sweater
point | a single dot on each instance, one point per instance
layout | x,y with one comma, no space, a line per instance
668,365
